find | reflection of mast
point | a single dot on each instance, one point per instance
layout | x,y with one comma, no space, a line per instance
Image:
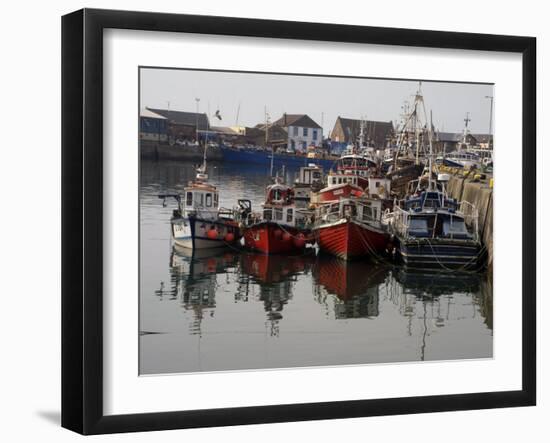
423,346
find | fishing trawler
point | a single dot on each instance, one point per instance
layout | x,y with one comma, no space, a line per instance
199,222
351,227
352,173
435,231
281,227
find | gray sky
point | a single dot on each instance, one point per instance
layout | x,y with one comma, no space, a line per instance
322,98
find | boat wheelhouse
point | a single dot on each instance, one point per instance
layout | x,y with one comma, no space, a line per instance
351,228
281,228
310,178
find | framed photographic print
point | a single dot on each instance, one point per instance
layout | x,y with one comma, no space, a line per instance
270,221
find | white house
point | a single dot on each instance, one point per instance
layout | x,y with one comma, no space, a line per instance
302,131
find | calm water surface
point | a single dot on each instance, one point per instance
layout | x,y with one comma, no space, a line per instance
230,310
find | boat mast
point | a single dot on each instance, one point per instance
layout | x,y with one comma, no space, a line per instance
418,99
197,121
430,143
266,116
361,133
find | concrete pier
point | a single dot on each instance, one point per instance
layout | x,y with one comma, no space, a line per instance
479,194
163,151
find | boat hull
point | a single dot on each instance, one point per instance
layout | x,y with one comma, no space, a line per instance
440,254
193,232
264,158
270,238
349,239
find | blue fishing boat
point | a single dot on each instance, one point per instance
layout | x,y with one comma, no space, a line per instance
432,232
267,158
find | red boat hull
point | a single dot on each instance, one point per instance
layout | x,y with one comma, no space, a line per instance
270,238
348,240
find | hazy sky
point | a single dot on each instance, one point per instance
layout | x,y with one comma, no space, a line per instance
322,98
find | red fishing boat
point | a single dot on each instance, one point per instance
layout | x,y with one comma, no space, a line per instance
280,229
350,179
351,227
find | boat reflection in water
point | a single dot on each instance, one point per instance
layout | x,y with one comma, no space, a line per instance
355,285
194,280
275,277
250,310
437,299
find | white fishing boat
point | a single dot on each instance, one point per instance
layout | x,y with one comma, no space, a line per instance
199,222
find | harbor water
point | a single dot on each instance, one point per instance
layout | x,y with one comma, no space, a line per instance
234,310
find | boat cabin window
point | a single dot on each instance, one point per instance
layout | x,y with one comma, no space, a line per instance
333,180
349,210
316,175
367,213
455,228
277,195
370,213
189,199
208,200
278,214
216,200
432,200
199,198
289,215
268,214
418,227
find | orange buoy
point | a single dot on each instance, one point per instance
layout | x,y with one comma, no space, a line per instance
211,265
287,236
212,234
278,233
229,237
300,241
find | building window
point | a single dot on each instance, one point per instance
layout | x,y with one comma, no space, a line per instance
295,130
314,134
305,132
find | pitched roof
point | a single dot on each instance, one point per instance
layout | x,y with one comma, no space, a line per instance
448,136
149,114
374,129
482,138
224,130
302,120
182,117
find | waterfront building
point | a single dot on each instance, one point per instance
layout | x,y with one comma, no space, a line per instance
182,125
301,131
346,131
152,126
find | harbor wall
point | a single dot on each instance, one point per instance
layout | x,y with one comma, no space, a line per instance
479,194
152,150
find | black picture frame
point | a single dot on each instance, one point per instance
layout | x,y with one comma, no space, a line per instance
82,218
